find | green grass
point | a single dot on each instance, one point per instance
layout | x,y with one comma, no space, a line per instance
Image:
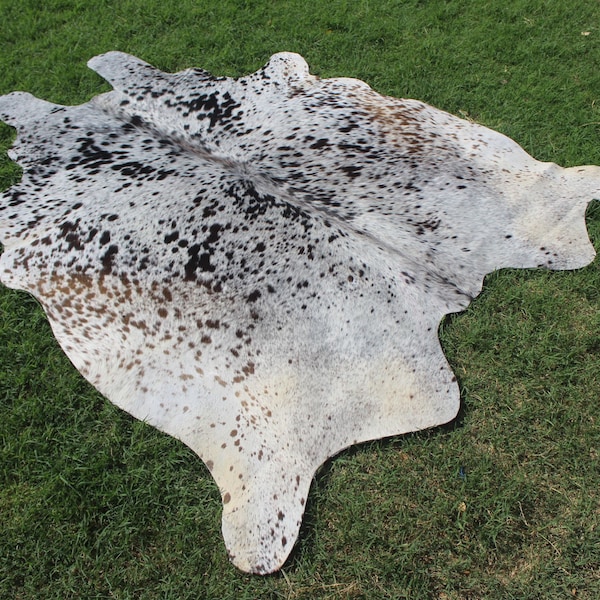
96,505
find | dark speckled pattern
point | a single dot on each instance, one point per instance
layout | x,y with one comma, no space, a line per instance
259,266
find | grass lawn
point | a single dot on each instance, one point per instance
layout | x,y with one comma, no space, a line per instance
504,503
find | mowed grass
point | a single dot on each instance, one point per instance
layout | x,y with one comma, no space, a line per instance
502,503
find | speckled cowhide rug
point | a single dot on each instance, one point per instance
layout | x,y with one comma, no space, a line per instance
259,266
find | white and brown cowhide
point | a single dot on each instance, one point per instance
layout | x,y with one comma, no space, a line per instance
259,266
